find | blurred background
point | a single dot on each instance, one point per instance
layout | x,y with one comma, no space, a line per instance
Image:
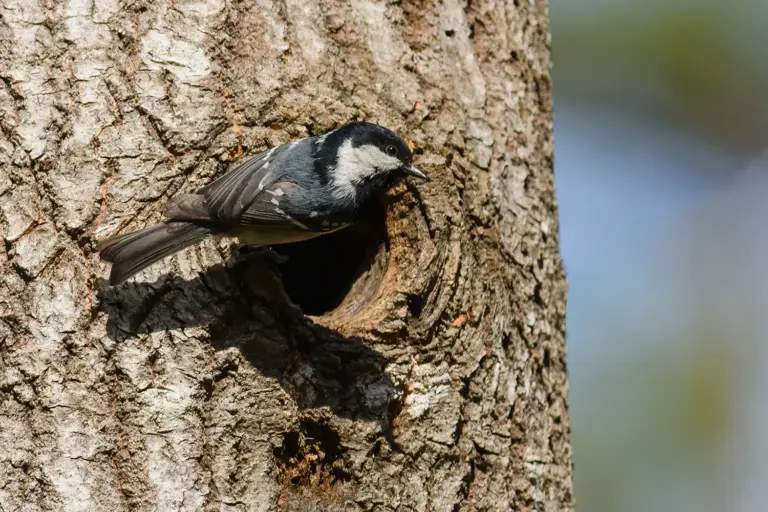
661,167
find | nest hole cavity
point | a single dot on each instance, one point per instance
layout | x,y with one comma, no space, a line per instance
339,272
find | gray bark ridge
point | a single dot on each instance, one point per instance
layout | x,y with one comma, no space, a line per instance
438,383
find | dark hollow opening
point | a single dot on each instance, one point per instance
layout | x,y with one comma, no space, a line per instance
320,273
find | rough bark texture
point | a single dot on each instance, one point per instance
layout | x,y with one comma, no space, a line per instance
439,383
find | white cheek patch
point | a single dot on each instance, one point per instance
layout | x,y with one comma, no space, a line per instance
354,164
321,139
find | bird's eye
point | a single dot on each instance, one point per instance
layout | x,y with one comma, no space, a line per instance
391,150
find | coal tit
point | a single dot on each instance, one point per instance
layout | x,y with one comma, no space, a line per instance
289,193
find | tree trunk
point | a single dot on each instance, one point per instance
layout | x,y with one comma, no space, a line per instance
430,374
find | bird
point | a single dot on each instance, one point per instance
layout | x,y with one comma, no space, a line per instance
290,193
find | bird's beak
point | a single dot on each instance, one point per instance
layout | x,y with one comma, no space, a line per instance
413,171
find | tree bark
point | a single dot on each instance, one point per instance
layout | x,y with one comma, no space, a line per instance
432,375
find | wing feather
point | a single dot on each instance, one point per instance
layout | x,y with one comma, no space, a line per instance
229,196
253,194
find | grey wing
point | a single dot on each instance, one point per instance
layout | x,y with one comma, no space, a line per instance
264,222
289,207
271,208
227,198
271,219
253,195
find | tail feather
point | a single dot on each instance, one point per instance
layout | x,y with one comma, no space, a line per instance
132,252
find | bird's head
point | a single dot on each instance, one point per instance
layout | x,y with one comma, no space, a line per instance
366,158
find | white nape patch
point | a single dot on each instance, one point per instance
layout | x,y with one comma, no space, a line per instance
312,215
357,163
294,144
321,139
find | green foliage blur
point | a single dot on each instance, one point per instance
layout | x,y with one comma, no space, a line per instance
661,121
694,62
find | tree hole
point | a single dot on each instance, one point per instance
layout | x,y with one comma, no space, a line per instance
344,267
